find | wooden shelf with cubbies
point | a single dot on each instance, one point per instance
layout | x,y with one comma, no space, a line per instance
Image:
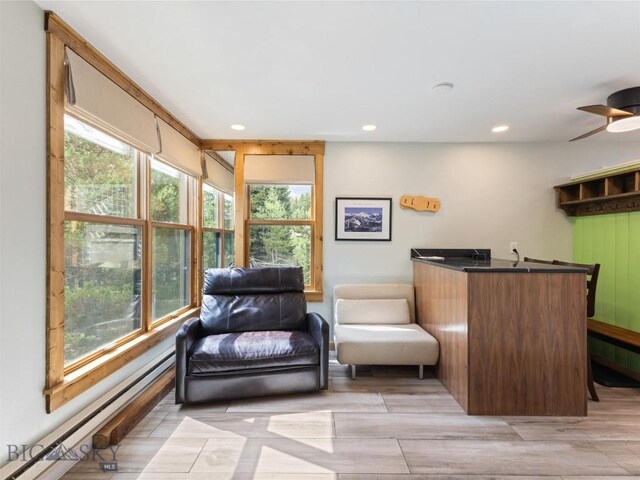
607,193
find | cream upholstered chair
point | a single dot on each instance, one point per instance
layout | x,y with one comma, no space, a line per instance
375,324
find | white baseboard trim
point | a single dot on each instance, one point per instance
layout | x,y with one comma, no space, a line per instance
83,425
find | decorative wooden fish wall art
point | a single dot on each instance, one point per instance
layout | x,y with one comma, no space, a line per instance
420,203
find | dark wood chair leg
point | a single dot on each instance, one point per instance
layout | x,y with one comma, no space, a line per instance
590,385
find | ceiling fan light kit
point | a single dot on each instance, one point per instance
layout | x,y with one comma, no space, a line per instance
622,112
624,124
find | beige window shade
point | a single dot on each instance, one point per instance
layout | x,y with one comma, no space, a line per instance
218,176
280,169
101,102
177,150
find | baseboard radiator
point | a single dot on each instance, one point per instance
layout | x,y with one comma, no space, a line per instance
79,429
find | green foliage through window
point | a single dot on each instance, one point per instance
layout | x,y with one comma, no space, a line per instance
102,285
99,174
211,250
171,271
280,243
218,236
280,202
103,259
168,194
210,202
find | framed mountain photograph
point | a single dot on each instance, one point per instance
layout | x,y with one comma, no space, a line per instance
363,219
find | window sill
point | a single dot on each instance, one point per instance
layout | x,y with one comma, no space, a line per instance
314,295
90,374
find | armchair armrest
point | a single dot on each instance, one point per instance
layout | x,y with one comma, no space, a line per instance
189,332
319,330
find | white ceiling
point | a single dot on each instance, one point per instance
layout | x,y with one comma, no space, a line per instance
321,70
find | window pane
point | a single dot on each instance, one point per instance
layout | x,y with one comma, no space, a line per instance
229,250
168,193
210,250
102,286
171,271
280,202
99,172
210,206
273,245
228,212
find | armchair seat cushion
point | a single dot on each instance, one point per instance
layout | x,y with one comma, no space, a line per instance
385,345
228,352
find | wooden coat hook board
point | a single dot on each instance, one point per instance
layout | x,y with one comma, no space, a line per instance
420,203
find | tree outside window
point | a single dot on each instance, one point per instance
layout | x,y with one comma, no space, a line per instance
281,226
217,228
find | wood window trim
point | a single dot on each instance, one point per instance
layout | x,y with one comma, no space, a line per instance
313,296
56,217
62,383
276,147
61,386
90,374
146,229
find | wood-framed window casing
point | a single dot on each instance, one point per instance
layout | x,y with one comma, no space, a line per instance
241,148
64,383
142,219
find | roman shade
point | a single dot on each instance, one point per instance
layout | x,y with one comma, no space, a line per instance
177,150
95,98
279,169
218,176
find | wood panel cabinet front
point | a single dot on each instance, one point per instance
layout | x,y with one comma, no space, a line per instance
441,309
527,344
510,343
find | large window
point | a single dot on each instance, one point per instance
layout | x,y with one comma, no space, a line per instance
217,231
171,240
280,227
116,196
102,285
122,226
278,206
126,238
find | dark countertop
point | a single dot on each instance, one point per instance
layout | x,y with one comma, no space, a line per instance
465,264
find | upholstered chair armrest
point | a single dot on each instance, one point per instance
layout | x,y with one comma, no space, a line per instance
319,330
189,332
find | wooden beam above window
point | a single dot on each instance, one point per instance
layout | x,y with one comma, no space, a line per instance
267,147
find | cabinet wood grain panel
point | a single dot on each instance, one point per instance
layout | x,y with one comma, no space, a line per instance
510,343
441,309
527,344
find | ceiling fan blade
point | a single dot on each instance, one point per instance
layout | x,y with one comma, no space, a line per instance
588,134
605,111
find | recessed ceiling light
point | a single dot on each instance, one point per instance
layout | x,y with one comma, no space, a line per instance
237,126
500,128
369,128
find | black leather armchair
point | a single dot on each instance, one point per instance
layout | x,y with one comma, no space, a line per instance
254,338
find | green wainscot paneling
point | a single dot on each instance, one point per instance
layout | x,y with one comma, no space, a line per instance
613,241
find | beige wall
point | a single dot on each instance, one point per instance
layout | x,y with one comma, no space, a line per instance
491,194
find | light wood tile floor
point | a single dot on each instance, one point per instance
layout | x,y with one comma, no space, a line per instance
385,425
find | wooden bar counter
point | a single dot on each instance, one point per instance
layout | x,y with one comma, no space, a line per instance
513,336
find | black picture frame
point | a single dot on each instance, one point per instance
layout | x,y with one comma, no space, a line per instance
363,219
